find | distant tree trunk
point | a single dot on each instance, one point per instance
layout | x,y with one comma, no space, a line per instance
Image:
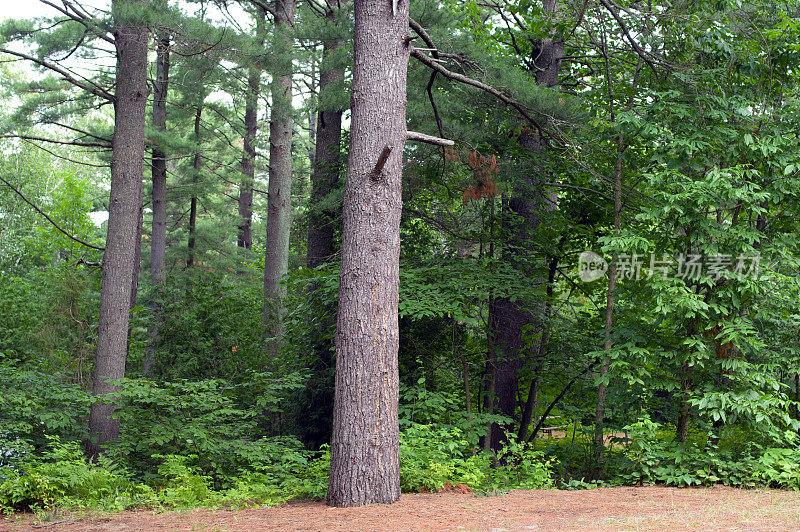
124,206
602,390
365,444
313,104
682,428
528,201
158,236
322,219
279,201
193,202
325,173
245,238
491,353
536,380
600,412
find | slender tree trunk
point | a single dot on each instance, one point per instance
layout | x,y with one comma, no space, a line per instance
322,218
533,390
491,353
313,102
490,375
528,200
325,173
365,444
195,178
279,202
459,350
158,236
682,427
599,417
124,207
245,238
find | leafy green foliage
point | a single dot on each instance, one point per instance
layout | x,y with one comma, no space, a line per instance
202,421
36,404
656,458
61,474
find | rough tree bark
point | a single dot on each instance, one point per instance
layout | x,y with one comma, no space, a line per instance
365,443
158,236
124,206
245,238
279,192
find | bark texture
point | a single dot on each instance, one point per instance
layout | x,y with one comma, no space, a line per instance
158,232
365,443
124,207
279,202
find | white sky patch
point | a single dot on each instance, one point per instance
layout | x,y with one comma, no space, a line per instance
34,8
98,217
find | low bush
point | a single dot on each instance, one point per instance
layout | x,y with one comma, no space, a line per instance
654,457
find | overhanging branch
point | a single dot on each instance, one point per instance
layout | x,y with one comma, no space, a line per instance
40,211
455,76
422,137
83,144
66,74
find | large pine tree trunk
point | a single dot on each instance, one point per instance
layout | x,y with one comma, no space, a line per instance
158,236
279,201
124,206
365,444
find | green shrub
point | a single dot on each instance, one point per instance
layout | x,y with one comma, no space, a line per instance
779,468
36,404
203,422
432,456
62,475
180,485
521,468
656,459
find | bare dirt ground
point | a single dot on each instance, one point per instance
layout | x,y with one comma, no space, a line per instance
633,508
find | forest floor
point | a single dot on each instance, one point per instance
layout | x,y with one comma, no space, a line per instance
629,508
